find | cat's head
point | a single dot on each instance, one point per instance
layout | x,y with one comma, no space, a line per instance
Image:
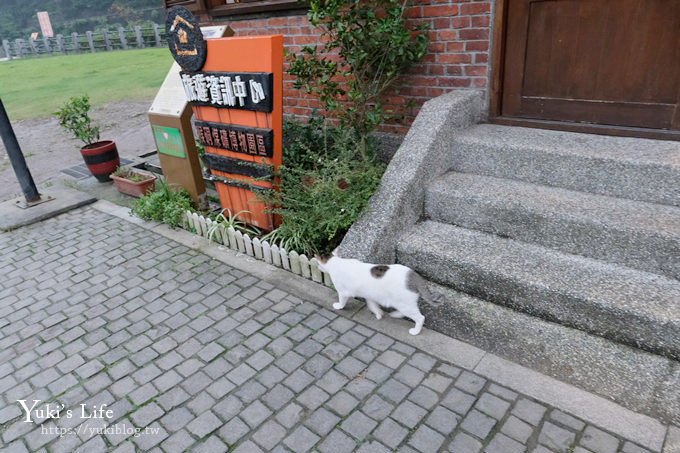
324,258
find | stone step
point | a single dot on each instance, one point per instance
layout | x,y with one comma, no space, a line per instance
625,305
638,169
636,379
641,235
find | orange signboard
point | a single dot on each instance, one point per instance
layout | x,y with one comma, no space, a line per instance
45,24
245,58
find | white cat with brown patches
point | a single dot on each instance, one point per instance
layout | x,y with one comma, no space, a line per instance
388,286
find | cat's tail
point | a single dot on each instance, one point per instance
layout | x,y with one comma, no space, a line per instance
420,284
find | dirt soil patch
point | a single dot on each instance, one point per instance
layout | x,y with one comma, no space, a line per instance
48,149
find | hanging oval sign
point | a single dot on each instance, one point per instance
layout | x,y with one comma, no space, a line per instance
185,39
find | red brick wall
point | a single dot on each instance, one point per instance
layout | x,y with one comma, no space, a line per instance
458,57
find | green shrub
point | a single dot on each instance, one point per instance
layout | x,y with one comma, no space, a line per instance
325,183
74,117
163,205
375,48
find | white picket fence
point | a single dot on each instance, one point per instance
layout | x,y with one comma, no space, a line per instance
292,261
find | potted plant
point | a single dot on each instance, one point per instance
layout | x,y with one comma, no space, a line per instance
133,183
101,157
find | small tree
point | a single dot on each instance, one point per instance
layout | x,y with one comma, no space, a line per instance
74,117
374,47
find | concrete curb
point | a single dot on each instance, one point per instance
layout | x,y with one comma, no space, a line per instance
398,202
633,426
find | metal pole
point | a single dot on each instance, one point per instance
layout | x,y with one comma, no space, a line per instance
16,157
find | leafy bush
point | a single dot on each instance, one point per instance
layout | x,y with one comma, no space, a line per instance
164,205
375,48
74,117
325,182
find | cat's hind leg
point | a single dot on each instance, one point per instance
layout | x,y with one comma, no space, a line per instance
396,314
342,301
375,309
417,317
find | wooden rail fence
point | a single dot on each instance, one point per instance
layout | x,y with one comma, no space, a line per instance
103,40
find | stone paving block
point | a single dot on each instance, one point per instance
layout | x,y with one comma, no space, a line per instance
529,411
464,443
217,368
172,398
256,342
299,380
144,416
337,442
424,397
240,374
143,394
517,429
390,433
179,441
332,381
358,425
598,441
566,420
271,376
426,439
228,407
377,408
350,367
470,383
503,392
260,360
204,424
336,351
291,415
148,439
443,420
255,414
212,445
391,359
458,401
233,430
248,447
478,424
301,440
269,435
200,403
278,397
322,421
290,361
196,383
555,437
503,444
408,414
250,391
394,391
492,405
177,419
630,447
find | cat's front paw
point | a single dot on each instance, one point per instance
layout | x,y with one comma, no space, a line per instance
414,331
338,306
378,316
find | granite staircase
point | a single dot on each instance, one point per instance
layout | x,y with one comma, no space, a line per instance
552,230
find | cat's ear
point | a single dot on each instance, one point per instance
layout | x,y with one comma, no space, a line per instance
335,251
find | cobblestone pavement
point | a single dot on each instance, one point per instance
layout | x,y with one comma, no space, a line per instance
189,353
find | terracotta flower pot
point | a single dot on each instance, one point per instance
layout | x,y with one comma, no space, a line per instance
134,189
101,159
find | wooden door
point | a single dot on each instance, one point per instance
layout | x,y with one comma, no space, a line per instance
607,62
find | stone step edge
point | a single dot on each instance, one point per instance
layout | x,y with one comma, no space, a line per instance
629,424
608,310
524,207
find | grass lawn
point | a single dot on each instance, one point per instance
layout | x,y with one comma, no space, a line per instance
37,87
